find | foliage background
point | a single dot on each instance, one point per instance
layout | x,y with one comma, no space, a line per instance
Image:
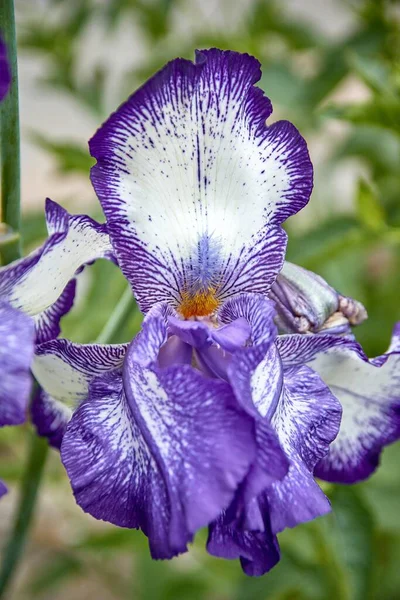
334,71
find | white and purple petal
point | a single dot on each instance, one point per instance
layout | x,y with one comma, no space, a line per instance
369,392
35,283
47,323
16,352
195,185
159,449
64,371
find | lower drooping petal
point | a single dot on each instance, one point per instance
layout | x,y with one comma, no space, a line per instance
369,392
35,282
189,150
163,450
258,551
305,418
16,352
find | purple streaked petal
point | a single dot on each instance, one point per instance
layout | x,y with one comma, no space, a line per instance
163,450
369,392
256,310
64,371
298,349
306,420
195,185
35,282
50,417
256,377
16,352
47,323
5,72
258,551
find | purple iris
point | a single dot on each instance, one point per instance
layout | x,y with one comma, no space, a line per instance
208,417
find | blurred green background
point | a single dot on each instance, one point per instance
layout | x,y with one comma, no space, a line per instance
331,67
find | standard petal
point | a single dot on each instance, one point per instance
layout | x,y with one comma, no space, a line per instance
195,185
35,282
256,310
306,420
16,352
369,392
64,371
163,451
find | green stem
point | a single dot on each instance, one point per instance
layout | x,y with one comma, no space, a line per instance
36,461
30,484
9,127
118,317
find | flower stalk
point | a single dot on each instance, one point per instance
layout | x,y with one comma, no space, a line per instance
10,143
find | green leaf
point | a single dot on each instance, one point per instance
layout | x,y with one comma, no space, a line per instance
70,157
369,210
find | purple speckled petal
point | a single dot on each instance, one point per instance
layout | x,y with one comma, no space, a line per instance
5,72
258,551
16,351
64,371
36,282
306,420
369,392
195,185
161,449
47,323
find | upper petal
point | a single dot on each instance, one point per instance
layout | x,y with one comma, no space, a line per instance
194,184
16,351
35,282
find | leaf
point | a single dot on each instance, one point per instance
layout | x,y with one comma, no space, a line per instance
349,538
70,157
369,210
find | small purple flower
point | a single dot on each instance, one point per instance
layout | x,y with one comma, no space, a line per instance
5,72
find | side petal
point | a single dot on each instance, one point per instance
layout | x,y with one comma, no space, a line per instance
369,392
35,282
47,323
195,185
163,451
64,371
306,420
16,352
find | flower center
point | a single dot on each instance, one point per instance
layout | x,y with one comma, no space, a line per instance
199,304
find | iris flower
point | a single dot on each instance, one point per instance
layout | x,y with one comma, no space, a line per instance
208,417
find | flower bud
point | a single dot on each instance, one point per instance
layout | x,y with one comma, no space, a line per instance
305,303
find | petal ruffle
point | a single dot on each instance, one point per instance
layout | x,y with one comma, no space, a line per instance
16,352
195,185
162,450
64,371
258,551
35,282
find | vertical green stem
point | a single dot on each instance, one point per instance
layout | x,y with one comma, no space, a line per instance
9,127
30,484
